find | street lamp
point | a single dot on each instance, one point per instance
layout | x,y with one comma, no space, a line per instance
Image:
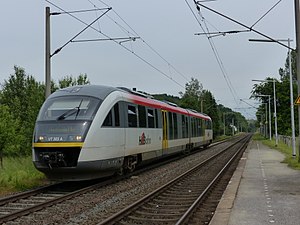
270,128
275,107
291,88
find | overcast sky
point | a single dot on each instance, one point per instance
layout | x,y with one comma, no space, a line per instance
168,53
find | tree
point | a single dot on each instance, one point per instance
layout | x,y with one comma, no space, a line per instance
210,107
68,81
282,101
23,96
203,101
191,98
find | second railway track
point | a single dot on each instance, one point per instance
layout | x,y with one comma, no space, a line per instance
175,202
41,199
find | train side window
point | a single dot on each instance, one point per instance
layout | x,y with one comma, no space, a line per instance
200,127
150,114
142,116
108,120
183,126
175,126
209,124
171,131
156,119
117,115
132,116
195,127
187,126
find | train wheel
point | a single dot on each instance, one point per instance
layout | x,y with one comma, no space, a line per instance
130,163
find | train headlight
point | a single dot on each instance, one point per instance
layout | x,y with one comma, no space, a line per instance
75,138
41,138
78,138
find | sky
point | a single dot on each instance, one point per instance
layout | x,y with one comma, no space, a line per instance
166,53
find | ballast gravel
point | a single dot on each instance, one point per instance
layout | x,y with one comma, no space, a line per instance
93,207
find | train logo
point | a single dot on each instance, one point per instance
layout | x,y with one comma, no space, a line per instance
143,140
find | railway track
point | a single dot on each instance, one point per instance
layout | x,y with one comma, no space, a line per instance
25,203
22,204
176,201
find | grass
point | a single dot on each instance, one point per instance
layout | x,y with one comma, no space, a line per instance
19,174
283,148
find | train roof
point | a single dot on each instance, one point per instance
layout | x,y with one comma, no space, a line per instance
97,91
101,91
166,106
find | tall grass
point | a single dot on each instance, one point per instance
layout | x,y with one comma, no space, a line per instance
19,174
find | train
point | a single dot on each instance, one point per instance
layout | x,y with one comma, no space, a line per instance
92,131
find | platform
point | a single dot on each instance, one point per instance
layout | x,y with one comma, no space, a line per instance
262,191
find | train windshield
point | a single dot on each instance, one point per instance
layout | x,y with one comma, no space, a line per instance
69,108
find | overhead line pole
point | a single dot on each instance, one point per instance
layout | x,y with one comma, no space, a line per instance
297,23
47,55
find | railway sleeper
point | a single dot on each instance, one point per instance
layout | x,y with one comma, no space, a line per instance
169,205
168,200
178,198
158,214
160,209
162,220
23,205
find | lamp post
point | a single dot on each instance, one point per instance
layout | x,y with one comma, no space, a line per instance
270,128
291,81
292,103
275,107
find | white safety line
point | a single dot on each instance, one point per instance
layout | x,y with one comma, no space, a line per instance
266,189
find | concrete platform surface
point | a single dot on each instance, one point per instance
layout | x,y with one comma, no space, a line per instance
262,191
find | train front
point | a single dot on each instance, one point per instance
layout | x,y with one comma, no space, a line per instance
60,131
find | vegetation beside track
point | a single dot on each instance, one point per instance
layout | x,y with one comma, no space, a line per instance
283,148
19,174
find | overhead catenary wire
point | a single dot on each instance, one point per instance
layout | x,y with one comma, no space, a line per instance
221,62
143,40
266,13
241,24
72,39
217,56
120,44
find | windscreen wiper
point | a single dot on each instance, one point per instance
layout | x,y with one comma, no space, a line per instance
68,113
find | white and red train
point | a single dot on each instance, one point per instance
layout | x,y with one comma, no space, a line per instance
85,132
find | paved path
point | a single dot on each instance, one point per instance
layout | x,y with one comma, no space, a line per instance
262,191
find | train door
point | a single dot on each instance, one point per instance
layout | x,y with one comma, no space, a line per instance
165,129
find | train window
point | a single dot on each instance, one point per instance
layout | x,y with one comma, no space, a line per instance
208,124
117,115
183,126
69,108
175,126
150,113
156,119
194,128
142,116
132,116
171,131
200,127
108,120
187,126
